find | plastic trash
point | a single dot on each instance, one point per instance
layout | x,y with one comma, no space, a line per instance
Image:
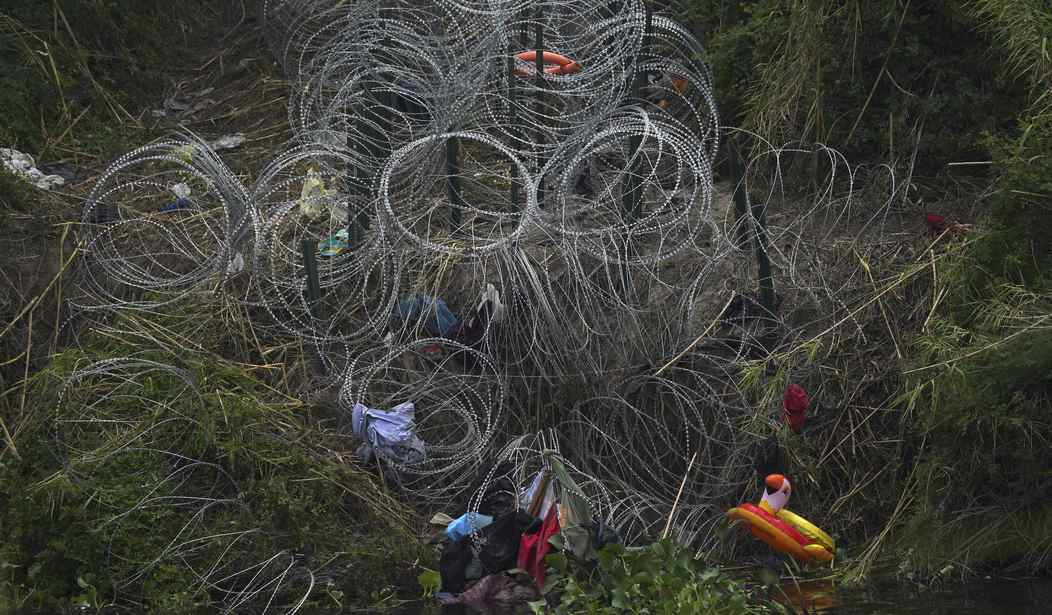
237,264
228,142
388,433
314,197
441,520
22,165
492,295
334,245
182,198
466,525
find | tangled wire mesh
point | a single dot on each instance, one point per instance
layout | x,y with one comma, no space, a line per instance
567,215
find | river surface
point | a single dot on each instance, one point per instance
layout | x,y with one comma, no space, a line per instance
992,597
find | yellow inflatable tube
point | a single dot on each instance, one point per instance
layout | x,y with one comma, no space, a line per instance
786,532
807,528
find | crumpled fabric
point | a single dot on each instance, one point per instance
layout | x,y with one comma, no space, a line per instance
439,320
466,525
794,406
549,495
575,516
452,566
497,593
533,547
388,433
500,549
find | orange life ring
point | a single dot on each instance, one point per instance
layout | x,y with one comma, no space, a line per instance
555,64
680,85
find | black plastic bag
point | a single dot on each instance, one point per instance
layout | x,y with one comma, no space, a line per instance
501,550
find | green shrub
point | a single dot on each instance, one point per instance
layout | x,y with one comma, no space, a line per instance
88,65
872,79
128,490
663,578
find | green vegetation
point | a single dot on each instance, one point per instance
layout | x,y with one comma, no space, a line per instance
258,481
661,579
875,79
140,484
72,73
943,394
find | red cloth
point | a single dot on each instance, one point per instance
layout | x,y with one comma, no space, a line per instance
936,224
794,406
533,547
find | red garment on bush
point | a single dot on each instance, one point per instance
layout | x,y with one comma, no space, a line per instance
533,547
794,406
936,223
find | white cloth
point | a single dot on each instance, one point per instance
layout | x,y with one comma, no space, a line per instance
388,433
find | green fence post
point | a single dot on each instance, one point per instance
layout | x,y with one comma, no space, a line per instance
741,201
752,216
310,265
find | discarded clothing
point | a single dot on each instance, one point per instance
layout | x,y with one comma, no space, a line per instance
500,550
500,495
472,331
530,493
579,511
496,593
533,547
438,319
938,224
466,525
575,514
453,564
585,542
22,165
388,433
473,571
794,407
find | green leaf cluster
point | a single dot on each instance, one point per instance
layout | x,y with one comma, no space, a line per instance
661,579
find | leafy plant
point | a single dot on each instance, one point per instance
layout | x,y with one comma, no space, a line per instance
661,579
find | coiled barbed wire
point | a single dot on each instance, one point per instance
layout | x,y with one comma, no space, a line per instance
591,210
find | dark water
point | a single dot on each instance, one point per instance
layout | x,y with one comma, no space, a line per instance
997,597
